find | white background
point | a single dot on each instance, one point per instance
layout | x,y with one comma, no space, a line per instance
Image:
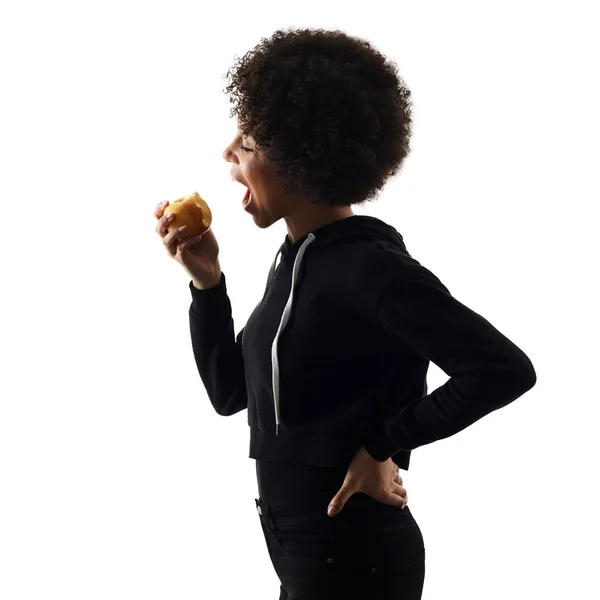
118,479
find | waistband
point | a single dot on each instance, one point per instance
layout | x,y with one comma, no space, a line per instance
295,485
360,514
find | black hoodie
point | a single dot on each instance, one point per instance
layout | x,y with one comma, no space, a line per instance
336,353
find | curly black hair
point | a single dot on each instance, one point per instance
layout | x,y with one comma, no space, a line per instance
328,110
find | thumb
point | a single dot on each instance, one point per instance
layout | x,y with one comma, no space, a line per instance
339,500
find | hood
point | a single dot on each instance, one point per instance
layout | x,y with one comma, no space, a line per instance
350,229
344,231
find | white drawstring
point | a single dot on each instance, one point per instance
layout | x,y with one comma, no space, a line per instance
285,317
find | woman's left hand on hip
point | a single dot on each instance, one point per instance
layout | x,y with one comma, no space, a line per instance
380,480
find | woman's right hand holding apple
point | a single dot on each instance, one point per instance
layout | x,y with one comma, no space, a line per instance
198,255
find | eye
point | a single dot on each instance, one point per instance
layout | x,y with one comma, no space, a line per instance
245,149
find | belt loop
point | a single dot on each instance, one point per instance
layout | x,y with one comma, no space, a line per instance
264,511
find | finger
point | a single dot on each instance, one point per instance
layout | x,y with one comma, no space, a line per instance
160,209
402,494
398,489
397,478
163,223
396,499
191,241
172,239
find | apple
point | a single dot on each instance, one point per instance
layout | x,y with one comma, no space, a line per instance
192,211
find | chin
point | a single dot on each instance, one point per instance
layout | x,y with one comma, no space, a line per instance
263,221
261,224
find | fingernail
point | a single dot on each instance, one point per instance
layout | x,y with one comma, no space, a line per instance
182,228
330,510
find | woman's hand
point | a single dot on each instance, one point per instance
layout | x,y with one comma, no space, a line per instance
198,255
380,480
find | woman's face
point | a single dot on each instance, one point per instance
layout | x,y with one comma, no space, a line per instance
268,201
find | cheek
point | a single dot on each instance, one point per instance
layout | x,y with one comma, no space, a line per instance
248,173
255,178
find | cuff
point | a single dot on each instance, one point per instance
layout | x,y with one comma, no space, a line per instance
213,295
379,445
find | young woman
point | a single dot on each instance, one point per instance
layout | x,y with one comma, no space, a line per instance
332,363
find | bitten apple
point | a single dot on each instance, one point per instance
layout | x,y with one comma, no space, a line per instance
192,211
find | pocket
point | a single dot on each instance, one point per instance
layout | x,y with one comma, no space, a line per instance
393,518
398,540
306,536
378,516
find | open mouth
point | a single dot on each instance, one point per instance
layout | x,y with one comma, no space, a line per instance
247,195
247,198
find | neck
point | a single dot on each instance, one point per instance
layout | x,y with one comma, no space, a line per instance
312,217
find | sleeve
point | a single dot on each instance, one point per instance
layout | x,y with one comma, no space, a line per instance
217,351
486,370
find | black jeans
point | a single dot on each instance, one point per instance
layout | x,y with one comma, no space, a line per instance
369,550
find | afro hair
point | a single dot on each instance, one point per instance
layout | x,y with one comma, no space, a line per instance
327,110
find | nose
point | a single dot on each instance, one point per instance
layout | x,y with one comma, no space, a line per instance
228,155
